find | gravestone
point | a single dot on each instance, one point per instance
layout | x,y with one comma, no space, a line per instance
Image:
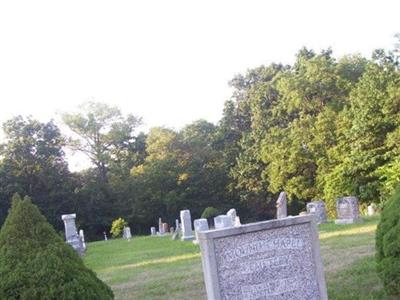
82,237
199,225
105,236
232,213
160,226
165,227
371,209
71,235
186,221
317,208
153,231
281,206
127,233
223,221
171,230
175,236
237,222
277,259
348,211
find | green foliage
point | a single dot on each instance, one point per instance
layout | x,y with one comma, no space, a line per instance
117,227
35,263
32,162
210,212
388,245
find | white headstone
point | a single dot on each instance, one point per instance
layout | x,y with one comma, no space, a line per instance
153,231
127,233
160,226
186,221
71,235
232,214
237,222
82,236
371,209
199,225
281,205
223,221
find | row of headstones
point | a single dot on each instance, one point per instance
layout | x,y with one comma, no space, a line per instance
184,228
77,241
347,208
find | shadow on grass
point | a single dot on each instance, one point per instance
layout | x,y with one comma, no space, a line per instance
358,281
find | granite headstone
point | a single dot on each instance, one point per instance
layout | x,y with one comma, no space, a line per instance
277,259
317,208
348,211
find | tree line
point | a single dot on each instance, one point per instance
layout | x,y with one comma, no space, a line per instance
320,128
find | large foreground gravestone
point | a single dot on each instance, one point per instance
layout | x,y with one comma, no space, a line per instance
317,208
348,211
278,259
71,235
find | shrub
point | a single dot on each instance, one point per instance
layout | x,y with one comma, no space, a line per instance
35,263
388,245
117,227
210,212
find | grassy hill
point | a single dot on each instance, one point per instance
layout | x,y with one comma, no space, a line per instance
159,268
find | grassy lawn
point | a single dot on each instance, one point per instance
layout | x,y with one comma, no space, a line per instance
159,268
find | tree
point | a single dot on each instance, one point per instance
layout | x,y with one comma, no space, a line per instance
104,134
33,163
35,263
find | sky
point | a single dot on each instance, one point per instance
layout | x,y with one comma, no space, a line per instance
168,62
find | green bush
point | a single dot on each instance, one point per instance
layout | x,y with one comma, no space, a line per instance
117,227
35,263
388,245
210,212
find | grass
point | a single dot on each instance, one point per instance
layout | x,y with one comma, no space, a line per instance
159,268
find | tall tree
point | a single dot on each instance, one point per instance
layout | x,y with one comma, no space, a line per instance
33,163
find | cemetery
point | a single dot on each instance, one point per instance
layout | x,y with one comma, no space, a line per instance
219,150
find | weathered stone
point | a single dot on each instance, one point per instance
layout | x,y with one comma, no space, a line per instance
82,237
71,235
278,259
232,213
153,231
165,227
237,222
281,206
160,226
171,230
186,220
223,221
126,234
317,208
199,225
348,211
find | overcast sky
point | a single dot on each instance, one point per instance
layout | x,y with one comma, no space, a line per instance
166,61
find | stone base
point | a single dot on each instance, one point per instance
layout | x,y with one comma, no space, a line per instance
348,221
188,238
